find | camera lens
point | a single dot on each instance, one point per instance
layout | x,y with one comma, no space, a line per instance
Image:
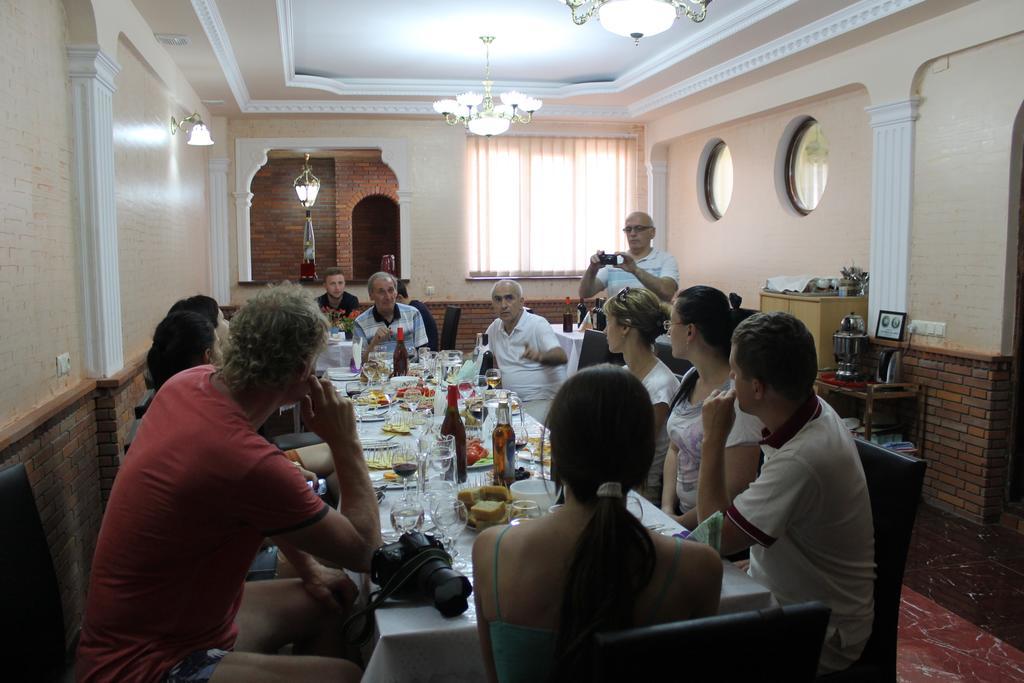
449,588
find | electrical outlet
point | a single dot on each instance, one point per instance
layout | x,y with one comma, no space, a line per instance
927,328
63,364
430,290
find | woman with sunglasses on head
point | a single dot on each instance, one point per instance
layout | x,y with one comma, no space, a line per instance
635,319
545,587
701,328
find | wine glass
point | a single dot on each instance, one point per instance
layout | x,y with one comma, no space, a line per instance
372,370
403,462
493,378
437,490
523,509
466,388
407,515
450,516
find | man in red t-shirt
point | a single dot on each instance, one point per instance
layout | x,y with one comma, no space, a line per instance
196,497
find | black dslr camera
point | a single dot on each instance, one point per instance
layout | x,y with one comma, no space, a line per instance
609,259
422,557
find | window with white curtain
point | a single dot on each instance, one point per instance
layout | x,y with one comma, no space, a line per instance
807,166
540,206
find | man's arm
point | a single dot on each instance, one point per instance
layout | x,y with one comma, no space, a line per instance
718,415
555,356
664,287
590,284
348,538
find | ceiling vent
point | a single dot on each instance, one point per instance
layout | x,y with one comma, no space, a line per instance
212,103
175,39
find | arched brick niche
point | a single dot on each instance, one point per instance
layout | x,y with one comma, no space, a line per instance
374,233
366,187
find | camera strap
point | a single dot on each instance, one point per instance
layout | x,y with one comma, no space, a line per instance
377,597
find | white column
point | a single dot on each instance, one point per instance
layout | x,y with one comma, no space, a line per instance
892,195
220,264
92,74
243,202
405,231
657,200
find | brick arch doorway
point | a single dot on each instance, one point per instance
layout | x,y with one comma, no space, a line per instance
375,232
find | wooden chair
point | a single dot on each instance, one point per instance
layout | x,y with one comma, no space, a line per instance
450,327
894,485
778,644
32,632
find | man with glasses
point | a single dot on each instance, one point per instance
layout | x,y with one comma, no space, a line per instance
641,266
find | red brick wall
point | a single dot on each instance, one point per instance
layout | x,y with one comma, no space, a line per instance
477,315
278,220
357,179
965,408
60,457
115,413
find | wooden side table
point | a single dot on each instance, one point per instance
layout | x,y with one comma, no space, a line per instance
870,393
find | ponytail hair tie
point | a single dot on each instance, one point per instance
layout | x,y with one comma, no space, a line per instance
609,489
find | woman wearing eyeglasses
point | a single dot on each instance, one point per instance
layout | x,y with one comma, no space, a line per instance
635,319
701,329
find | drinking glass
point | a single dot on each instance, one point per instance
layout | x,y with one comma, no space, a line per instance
466,389
523,509
383,359
441,456
437,490
372,370
403,462
493,377
450,517
407,515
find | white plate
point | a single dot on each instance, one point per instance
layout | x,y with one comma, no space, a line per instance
373,417
341,375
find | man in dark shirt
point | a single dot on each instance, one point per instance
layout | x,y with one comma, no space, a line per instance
335,299
429,324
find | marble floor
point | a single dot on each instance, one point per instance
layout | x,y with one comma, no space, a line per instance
962,617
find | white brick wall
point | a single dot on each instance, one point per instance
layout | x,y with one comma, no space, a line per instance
758,237
39,301
162,214
963,222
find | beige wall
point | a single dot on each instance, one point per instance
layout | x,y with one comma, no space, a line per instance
759,236
964,234
162,215
39,300
437,170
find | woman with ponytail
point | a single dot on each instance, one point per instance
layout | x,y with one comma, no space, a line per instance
636,317
703,320
544,588
182,340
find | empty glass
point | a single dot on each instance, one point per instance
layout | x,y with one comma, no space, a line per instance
523,509
450,516
407,515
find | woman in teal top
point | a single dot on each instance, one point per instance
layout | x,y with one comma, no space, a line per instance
545,587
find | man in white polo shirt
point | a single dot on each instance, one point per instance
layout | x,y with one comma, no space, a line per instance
642,266
531,361
808,514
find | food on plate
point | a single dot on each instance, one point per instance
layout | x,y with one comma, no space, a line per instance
376,462
391,476
486,505
397,428
373,397
426,392
475,451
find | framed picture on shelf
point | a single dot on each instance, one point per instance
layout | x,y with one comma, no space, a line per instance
891,325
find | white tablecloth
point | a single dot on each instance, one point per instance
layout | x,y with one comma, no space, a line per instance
571,343
415,643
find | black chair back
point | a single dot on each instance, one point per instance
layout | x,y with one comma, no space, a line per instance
32,634
450,327
678,366
779,644
594,350
894,485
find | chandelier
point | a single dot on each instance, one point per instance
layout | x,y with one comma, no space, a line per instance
637,18
480,114
307,185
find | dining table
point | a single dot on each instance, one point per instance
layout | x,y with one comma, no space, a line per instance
571,343
412,642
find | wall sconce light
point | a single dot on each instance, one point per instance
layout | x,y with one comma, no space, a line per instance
199,134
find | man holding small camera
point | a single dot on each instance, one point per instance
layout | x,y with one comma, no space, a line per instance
641,266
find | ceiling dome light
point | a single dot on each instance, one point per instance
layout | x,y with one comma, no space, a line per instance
637,19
